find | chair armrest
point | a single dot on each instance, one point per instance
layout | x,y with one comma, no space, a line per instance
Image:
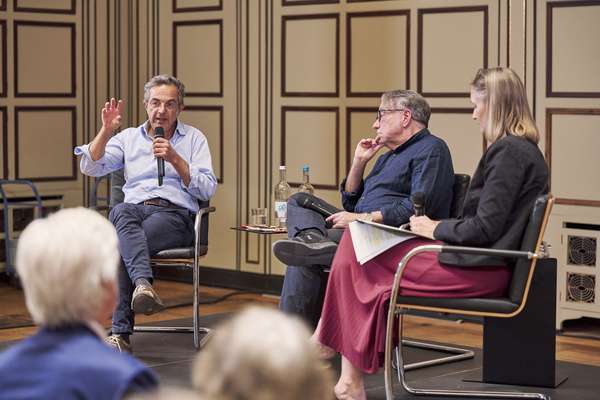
201,233
449,249
205,210
490,252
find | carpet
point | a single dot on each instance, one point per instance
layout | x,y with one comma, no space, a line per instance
171,357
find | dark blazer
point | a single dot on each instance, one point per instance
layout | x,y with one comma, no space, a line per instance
70,363
510,176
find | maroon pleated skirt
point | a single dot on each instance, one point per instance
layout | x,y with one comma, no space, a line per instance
353,321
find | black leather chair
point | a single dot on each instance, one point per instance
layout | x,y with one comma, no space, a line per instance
186,257
492,309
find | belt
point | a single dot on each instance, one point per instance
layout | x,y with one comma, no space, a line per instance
157,201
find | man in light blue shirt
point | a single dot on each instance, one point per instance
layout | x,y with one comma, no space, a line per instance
152,217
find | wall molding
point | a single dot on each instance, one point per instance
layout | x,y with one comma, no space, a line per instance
73,111
336,111
307,2
549,41
421,12
548,150
4,56
349,111
177,9
349,16
219,23
4,112
284,20
73,63
70,10
219,109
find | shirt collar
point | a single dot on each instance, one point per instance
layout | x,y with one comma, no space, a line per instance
178,128
415,138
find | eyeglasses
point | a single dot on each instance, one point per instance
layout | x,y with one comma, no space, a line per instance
170,105
382,111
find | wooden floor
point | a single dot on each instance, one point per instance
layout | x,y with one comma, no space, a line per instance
577,350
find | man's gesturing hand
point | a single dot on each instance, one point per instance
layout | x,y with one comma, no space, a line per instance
112,114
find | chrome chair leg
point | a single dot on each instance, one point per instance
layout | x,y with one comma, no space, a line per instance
440,392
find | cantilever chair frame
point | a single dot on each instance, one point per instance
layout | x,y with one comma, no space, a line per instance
397,309
162,259
170,257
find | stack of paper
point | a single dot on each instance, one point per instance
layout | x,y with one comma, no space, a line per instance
371,238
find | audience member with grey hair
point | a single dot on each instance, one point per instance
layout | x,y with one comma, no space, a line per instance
417,161
156,212
261,354
67,264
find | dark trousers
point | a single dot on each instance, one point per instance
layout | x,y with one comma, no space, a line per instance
304,287
144,230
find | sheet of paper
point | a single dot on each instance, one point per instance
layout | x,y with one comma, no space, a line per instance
370,240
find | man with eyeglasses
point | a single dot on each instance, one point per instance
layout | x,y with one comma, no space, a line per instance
417,161
153,216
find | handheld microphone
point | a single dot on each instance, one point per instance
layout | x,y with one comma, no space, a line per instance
159,132
418,200
307,201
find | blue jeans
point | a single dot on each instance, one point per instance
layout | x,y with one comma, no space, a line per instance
304,287
144,231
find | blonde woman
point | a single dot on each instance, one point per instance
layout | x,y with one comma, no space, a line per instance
509,177
261,354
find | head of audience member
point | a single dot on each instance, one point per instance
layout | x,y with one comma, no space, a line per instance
163,99
501,105
261,354
67,263
401,115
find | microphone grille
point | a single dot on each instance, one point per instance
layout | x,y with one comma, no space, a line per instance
418,198
159,132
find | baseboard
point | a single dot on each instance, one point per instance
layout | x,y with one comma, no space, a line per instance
220,277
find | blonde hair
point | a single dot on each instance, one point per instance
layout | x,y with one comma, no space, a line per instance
261,354
507,108
63,261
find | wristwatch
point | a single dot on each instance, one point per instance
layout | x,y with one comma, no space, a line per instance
367,217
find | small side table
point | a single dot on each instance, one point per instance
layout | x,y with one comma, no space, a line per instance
261,230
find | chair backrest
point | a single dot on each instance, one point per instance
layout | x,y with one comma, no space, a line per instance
459,192
532,240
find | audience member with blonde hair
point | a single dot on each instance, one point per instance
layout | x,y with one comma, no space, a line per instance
67,264
511,174
261,354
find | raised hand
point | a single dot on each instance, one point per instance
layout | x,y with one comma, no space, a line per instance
112,114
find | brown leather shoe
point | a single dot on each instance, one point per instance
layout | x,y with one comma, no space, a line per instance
145,300
118,343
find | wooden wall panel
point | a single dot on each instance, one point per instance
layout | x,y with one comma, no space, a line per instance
310,55
44,59
445,67
383,36
44,140
573,57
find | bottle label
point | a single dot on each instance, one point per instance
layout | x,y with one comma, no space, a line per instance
281,209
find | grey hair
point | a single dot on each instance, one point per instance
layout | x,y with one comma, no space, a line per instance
264,354
65,261
420,109
160,80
